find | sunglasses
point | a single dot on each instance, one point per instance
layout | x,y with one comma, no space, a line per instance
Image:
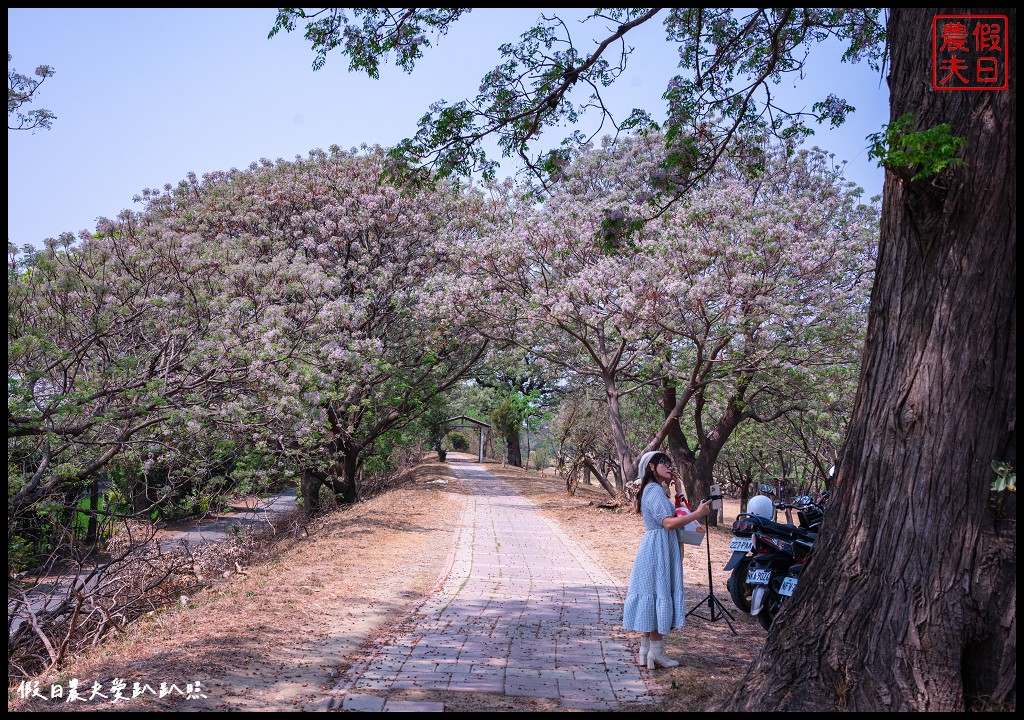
665,461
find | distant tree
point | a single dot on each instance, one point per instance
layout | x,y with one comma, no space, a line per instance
912,590
458,442
330,268
733,298
507,420
21,91
436,427
583,447
522,392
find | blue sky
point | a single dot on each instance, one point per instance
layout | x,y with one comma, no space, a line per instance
144,96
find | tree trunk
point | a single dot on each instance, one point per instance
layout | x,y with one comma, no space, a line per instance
909,603
142,494
601,478
346,488
703,466
515,452
310,488
678,447
91,530
627,468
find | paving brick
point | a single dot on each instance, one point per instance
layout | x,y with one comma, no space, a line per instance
523,612
413,706
363,703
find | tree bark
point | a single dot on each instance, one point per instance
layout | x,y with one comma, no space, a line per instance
601,477
346,489
143,494
678,447
515,452
700,467
310,488
626,463
909,603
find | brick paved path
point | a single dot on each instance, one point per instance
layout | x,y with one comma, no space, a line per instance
522,611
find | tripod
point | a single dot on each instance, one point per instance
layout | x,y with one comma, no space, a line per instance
716,610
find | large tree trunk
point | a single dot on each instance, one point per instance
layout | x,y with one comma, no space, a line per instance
700,467
310,489
514,456
143,495
909,603
678,447
346,488
627,464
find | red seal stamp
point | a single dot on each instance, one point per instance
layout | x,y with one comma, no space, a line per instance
969,52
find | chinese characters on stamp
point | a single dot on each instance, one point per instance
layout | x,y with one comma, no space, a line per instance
969,52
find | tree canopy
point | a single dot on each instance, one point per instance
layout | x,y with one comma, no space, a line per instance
22,90
922,418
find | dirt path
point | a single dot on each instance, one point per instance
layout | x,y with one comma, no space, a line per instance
279,636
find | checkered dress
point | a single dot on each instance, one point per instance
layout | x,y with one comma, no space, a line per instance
654,599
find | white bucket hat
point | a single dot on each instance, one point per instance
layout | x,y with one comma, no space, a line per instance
645,459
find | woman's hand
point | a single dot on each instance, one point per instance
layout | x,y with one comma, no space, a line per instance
704,509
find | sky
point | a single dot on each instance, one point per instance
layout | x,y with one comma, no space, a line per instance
145,96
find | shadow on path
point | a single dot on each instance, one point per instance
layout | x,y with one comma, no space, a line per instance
521,614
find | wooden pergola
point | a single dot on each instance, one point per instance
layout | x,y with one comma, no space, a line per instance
464,421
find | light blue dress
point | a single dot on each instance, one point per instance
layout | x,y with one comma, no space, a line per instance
654,599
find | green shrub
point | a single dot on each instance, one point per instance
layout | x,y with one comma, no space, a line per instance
458,442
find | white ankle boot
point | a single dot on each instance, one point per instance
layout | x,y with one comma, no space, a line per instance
656,655
645,646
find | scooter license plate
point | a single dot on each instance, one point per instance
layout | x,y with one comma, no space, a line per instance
757,576
787,586
739,544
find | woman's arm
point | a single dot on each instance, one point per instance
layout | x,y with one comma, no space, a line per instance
674,522
679,489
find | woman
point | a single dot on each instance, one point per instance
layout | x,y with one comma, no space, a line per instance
654,599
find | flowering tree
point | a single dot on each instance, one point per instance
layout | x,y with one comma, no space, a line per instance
734,298
108,344
22,90
545,285
942,316
279,307
759,283
327,264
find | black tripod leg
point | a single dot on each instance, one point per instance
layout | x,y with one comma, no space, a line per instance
725,614
716,609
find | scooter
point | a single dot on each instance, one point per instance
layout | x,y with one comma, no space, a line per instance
778,549
742,547
764,551
782,584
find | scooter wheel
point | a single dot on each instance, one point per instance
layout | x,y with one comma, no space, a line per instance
739,591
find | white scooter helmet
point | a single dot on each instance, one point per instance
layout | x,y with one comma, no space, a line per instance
761,505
